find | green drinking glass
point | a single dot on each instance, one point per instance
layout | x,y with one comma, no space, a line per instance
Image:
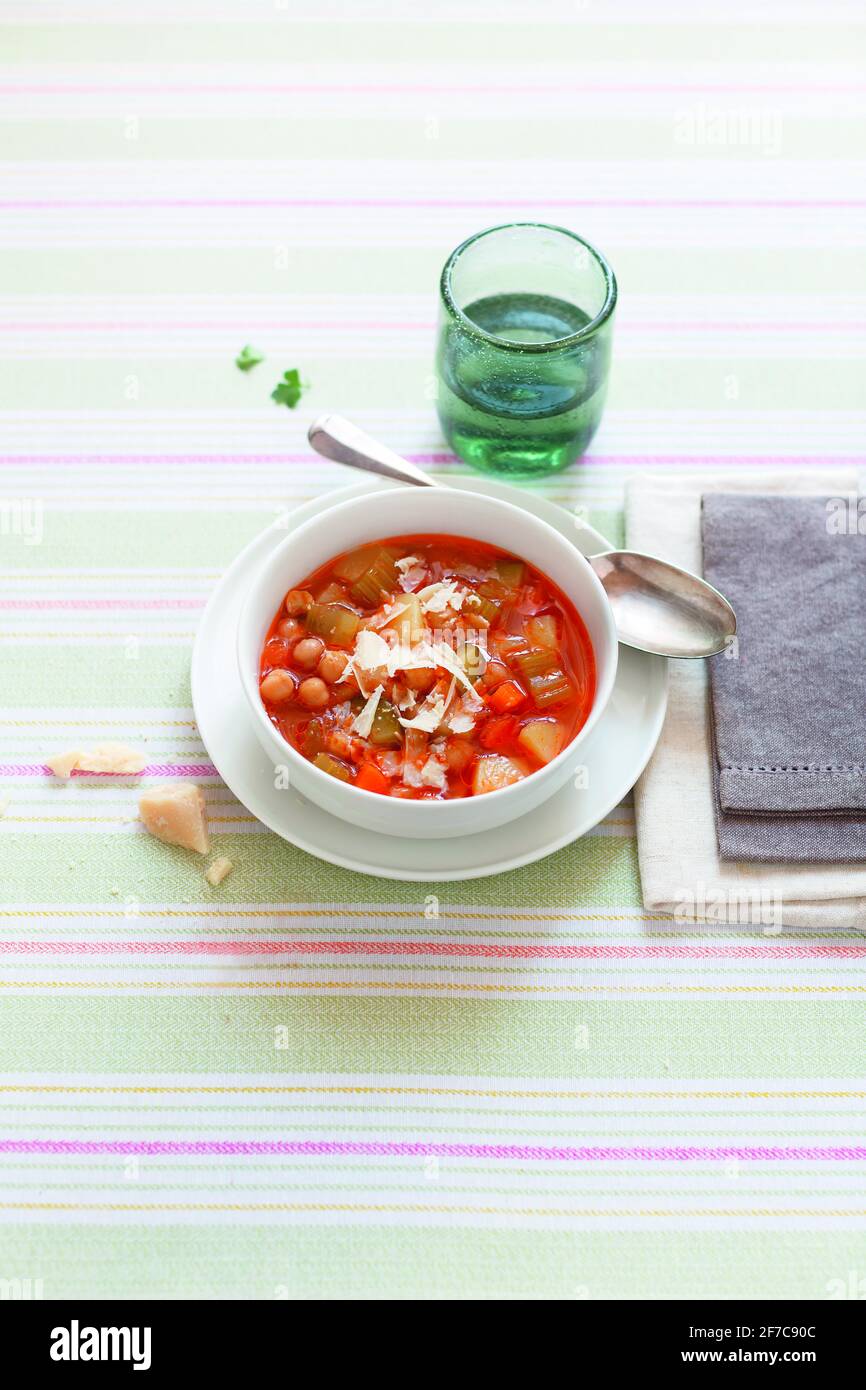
526,320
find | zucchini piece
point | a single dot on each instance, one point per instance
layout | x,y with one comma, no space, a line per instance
387,731
335,624
377,580
334,767
511,571
313,740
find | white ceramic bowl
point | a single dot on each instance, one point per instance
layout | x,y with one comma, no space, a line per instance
412,511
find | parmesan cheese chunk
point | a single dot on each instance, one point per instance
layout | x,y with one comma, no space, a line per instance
105,757
218,870
112,757
175,813
64,764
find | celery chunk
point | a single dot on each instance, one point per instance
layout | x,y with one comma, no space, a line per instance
377,581
333,623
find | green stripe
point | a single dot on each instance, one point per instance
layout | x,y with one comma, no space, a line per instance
594,871
760,133
296,1261
649,382
84,539
340,269
492,1038
156,674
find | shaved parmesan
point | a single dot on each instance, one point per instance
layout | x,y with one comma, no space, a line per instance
434,773
461,723
431,713
406,563
412,578
438,598
363,721
371,651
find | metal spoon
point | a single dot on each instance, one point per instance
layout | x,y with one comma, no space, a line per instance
657,607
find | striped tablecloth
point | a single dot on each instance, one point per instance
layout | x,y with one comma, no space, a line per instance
298,1084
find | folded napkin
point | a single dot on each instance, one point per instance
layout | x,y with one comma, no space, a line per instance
681,871
787,699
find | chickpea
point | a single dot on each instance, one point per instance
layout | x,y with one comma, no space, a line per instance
348,687
290,629
307,652
313,693
278,687
332,665
421,679
298,601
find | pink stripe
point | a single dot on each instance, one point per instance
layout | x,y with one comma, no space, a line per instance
100,603
533,203
429,948
152,770
161,458
422,1149
279,88
593,460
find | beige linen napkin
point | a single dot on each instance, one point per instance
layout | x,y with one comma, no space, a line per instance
674,805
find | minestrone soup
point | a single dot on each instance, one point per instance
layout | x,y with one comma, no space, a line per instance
428,667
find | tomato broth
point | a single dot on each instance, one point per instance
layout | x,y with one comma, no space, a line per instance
428,667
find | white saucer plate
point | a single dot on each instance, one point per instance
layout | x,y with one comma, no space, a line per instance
615,754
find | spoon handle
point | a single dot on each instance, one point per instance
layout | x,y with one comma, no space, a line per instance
342,442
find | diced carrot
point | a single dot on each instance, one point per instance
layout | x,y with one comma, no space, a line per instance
507,696
499,733
370,779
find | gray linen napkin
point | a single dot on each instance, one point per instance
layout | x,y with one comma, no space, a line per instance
788,701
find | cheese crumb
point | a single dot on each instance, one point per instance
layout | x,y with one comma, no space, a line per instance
175,813
64,764
219,869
